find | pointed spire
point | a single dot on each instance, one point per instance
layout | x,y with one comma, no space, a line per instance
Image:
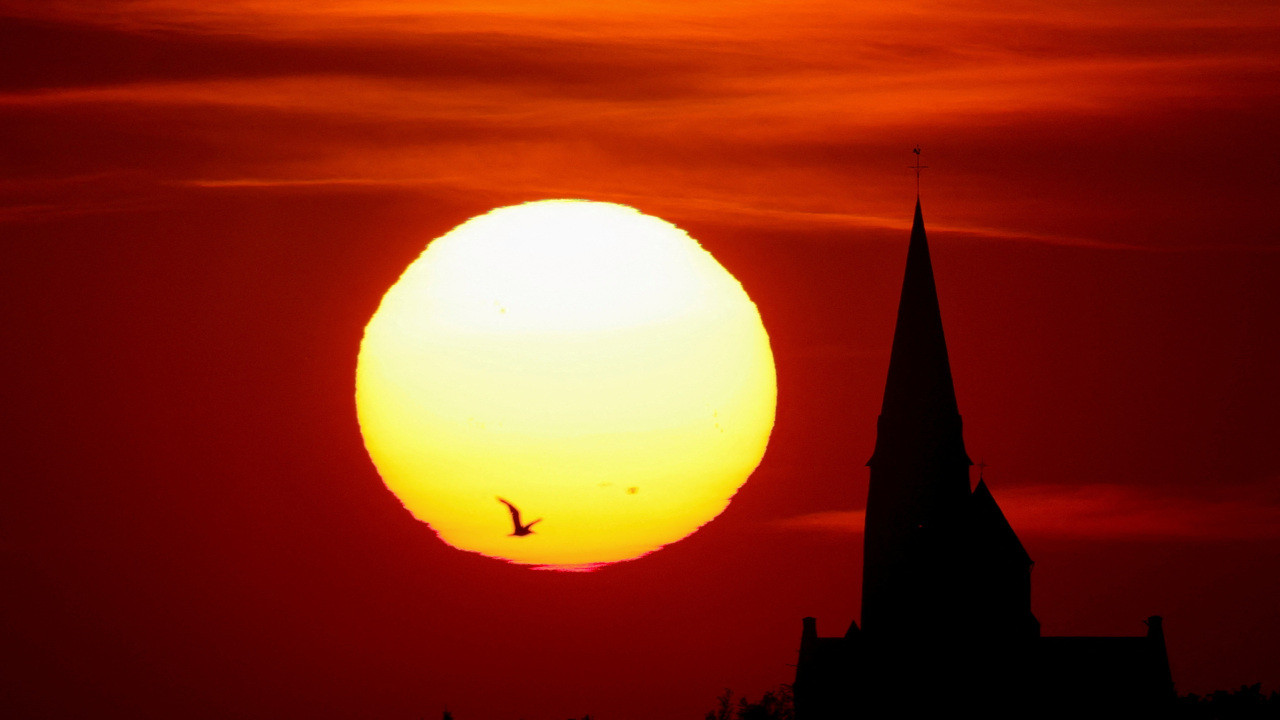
919,396
919,371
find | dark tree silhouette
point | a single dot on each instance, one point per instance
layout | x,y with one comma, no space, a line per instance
724,707
1247,703
775,704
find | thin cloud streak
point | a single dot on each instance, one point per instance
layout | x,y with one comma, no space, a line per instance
722,209
747,104
1106,512
336,18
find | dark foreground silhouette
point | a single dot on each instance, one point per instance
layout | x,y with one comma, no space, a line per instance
1246,703
775,704
946,623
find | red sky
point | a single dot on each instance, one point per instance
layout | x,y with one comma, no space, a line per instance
202,203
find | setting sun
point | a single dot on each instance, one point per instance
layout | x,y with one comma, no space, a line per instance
591,364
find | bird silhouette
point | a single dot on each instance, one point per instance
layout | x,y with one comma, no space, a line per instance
520,529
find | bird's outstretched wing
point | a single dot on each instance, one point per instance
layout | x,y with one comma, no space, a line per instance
515,514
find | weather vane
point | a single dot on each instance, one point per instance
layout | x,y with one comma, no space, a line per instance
917,167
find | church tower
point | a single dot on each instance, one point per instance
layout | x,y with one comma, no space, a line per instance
919,472
946,583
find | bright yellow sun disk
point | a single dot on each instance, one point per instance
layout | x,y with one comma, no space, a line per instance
591,364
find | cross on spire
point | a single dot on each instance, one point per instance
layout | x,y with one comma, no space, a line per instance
917,167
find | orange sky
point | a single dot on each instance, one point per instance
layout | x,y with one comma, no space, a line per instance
201,204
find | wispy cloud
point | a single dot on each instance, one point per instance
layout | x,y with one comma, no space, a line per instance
769,112
838,521
1109,512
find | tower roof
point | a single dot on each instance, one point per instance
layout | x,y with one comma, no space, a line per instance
919,396
919,371
992,536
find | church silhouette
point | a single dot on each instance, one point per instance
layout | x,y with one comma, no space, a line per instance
947,625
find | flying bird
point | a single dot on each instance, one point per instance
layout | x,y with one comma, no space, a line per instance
520,529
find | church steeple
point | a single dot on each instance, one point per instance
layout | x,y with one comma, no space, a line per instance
919,410
946,583
919,488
